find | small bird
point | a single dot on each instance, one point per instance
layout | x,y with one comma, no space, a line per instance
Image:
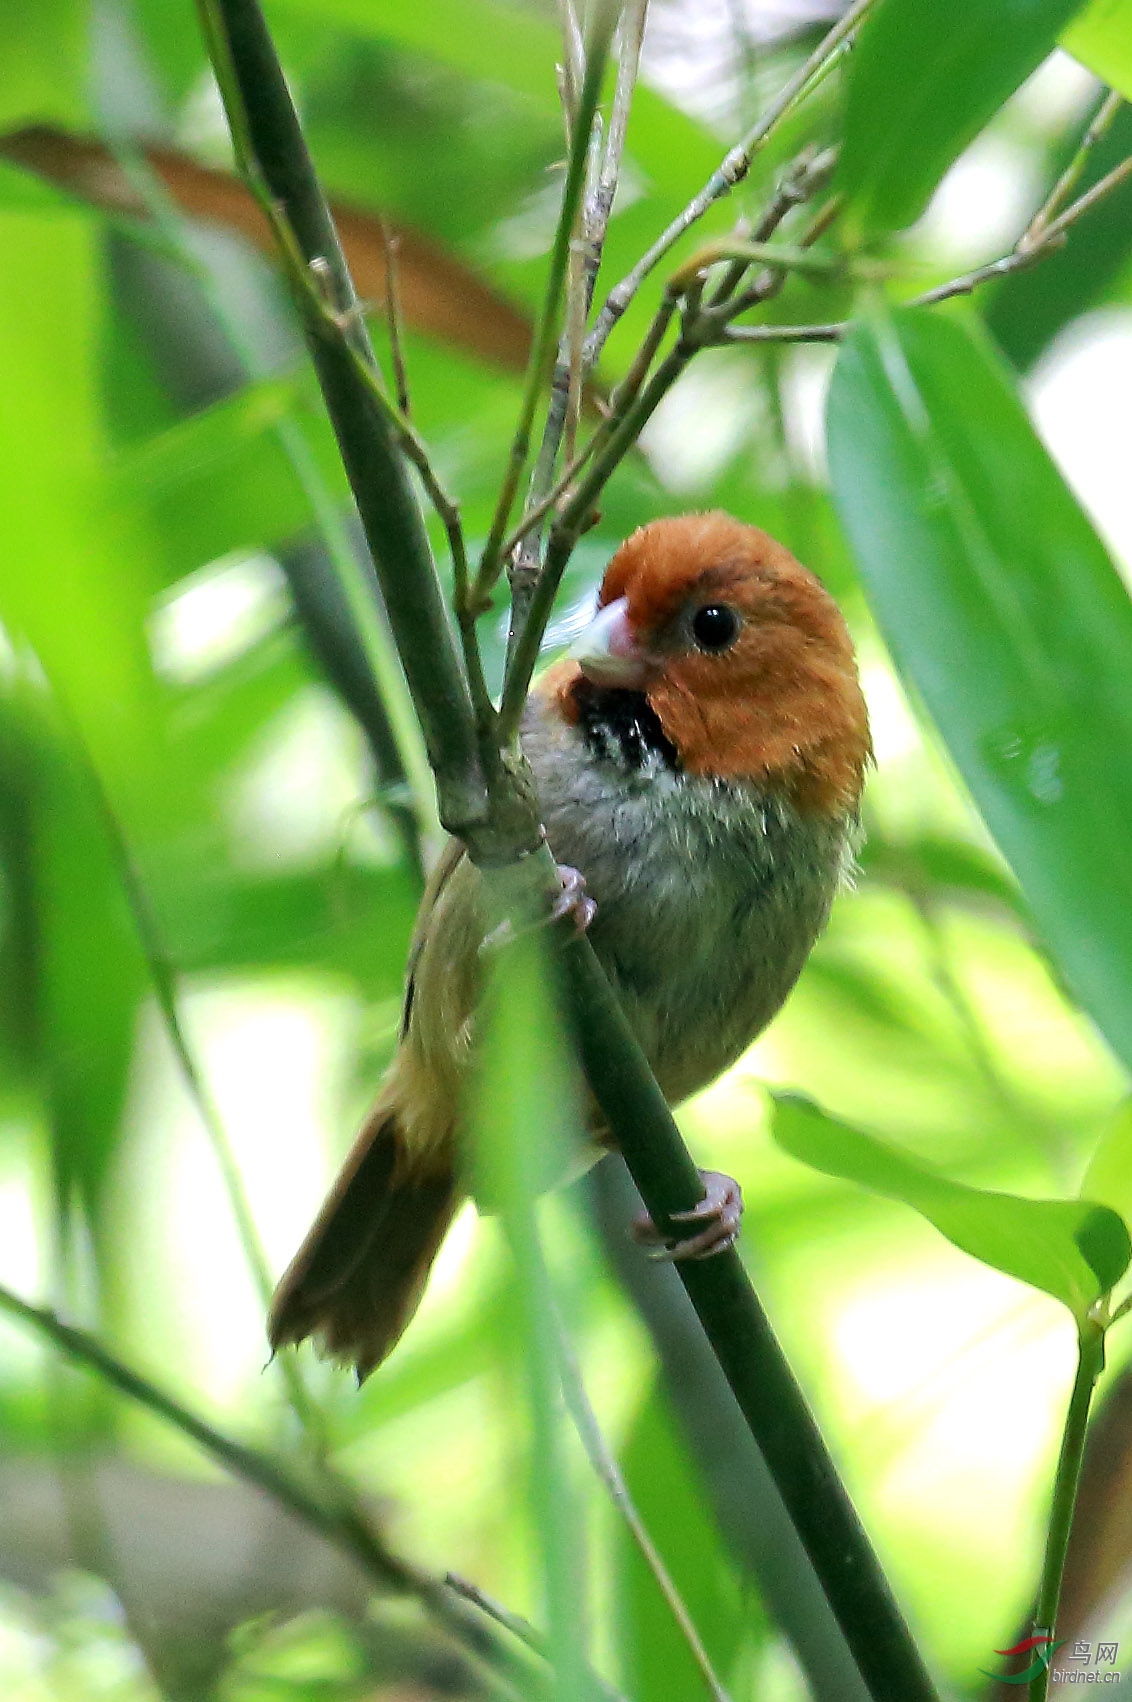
699,758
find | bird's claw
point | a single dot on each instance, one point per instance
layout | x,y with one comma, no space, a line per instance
572,901
719,1211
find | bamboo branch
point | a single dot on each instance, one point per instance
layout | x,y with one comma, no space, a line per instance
1090,1364
273,156
810,174
832,333
567,530
546,334
731,171
596,212
339,1521
745,1345
741,1496
1085,203
1071,176
1037,241
636,400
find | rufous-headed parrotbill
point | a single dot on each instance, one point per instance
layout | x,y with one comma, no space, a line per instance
699,760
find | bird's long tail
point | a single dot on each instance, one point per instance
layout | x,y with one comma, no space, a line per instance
359,1275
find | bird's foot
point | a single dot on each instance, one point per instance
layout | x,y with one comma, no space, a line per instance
572,901
719,1213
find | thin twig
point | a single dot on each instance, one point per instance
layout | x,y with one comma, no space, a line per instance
573,65
340,1522
831,333
1037,240
632,33
533,589
521,551
1028,251
731,171
394,318
633,404
519,1627
546,334
1071,176
605,1467
780,256
806,177
416,451
530,520
772,279
582,246
1085,203
597,213
567,530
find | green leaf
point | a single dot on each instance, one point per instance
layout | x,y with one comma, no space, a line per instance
670,1497
1101,38
87,977
45,64
527,1095
1108,1180
1068,1248
222,481
1001,606
922,83
467,35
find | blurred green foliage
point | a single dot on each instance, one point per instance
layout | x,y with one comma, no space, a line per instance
162,719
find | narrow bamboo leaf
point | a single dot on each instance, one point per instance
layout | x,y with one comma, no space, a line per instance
1071,1249
922,83
526,1110
1002,607
87,979
669,1495
1101,38
221,481
1108,1180
74,573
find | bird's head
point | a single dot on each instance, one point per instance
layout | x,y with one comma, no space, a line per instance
741,653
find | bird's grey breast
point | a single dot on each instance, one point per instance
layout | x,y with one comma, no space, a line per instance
709,893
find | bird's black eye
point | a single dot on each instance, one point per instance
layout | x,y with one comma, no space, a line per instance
715,627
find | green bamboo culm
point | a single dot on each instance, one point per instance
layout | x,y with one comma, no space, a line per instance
1090,1364
274,156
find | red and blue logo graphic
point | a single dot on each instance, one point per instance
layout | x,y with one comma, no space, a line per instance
1043,1645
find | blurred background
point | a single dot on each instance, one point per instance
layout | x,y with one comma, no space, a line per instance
185,791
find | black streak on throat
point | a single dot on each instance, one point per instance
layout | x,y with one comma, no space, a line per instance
621,726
